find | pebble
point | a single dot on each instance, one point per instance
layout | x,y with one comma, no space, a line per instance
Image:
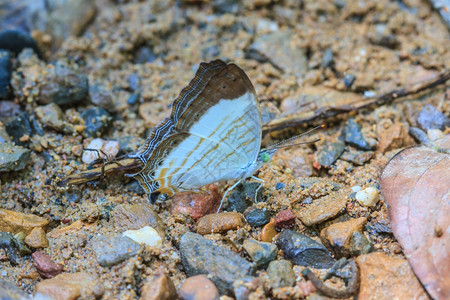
199,287
268,232
16,40
430,118
358,158
18,127
380,34
5,73
243,287
20,244
8,291
13,158
101,97
45,265
201,256
135,216
280,274
97,121
327,58
243,196
349,80
435,134
9,110
258,217
52,116
113,249
8,244
338,236
261,252
353,136
133,99
63,86
72,286
146,235
394,137
280,185
15,222
37,238
196,204
278,47
368,196
323,208
284,219
360,244
385,277
304,251
159,287
109,147
329,153
221,222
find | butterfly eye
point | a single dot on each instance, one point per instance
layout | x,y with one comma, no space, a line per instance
264,157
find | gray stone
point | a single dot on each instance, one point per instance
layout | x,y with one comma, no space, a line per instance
8,291
114,249
5,73
280,274
258,217
243,196
353,135
277,47
18,127
13,158
329,153
360,244
97,120
223,267
430,118
304,251
8,243
261,253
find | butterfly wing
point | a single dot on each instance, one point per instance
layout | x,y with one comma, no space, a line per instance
215,132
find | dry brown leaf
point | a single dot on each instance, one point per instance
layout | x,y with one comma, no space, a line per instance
416,186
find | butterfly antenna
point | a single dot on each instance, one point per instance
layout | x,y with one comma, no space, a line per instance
281,144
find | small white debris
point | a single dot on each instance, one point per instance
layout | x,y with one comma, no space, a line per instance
146,235
368,196
111,148
356,188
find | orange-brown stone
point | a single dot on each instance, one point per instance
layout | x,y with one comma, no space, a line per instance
215,223
37,238
14,222
198,287
159,287
268,232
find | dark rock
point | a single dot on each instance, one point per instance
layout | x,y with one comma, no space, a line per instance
135,187
101,97
5,73
280,274
133,99
430,118
20,243
9,110
381,34
327,58
13,158
145,55
353,135
16,40
226,6
45,265
303,250
280,186
7,243
360,244
329,153
348,80
258,217
8,291
97,120
243,196
114,249
223,267
19,127
261,253
63,86
382,227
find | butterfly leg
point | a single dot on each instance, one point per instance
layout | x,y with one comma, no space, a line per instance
226,193
261,182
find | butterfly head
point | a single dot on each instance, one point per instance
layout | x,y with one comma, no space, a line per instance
265,155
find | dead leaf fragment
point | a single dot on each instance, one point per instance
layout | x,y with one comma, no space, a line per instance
416,186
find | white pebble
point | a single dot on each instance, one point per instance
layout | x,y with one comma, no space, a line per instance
109,147
146,235
368,196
